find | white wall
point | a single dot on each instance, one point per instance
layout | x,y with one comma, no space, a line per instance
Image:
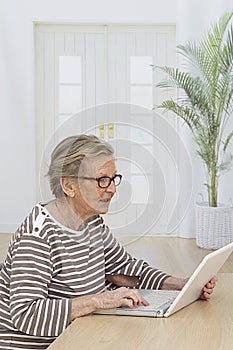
17,142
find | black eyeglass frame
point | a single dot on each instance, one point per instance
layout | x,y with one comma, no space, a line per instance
98,179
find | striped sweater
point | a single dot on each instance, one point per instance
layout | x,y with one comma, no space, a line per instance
47,265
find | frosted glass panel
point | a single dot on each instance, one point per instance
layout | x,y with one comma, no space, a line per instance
140,70
70,70
140,189
142,95
70,99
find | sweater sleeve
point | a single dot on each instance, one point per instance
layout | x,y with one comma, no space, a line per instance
118,261
31,310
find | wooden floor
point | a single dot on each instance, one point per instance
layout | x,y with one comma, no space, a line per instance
177,256
4,242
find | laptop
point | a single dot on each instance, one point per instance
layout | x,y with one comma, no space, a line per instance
164,303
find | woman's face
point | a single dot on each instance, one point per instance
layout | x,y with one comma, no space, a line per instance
89,196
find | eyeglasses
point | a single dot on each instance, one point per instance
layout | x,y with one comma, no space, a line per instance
103,181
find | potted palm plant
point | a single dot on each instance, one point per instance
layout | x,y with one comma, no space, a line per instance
206,105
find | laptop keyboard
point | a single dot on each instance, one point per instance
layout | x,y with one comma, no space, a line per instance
157,298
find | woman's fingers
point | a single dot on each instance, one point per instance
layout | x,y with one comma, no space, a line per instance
209,288
132,296
120,297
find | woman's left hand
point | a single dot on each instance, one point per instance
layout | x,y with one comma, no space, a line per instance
208,289
178,283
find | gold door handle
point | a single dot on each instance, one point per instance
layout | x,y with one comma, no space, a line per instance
111,130
101,131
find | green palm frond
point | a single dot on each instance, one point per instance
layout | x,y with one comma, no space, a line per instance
226,164
182,111
226,56
227,141
194,89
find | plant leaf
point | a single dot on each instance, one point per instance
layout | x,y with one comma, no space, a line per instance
227,141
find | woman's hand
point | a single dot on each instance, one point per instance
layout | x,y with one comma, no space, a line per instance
208,289
119,297
107,300
178,283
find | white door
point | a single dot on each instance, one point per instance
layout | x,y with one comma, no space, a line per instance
98,79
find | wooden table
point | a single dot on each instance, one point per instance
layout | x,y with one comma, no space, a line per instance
200,326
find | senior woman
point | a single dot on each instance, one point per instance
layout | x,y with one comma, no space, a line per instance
63,260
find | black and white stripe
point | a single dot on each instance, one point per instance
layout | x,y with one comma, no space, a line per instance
46,266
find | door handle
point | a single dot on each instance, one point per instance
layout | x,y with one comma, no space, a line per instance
111,130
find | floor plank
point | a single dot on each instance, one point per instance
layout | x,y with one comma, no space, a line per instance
4,243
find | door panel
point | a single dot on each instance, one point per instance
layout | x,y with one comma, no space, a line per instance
98,79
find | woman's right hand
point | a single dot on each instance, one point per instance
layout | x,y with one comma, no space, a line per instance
119,297
107,300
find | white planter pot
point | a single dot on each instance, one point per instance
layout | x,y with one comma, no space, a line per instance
214,226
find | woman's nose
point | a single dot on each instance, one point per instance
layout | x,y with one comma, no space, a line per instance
111,188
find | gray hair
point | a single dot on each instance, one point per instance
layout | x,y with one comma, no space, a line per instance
67,156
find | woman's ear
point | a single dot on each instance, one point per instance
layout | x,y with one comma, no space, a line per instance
68,186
